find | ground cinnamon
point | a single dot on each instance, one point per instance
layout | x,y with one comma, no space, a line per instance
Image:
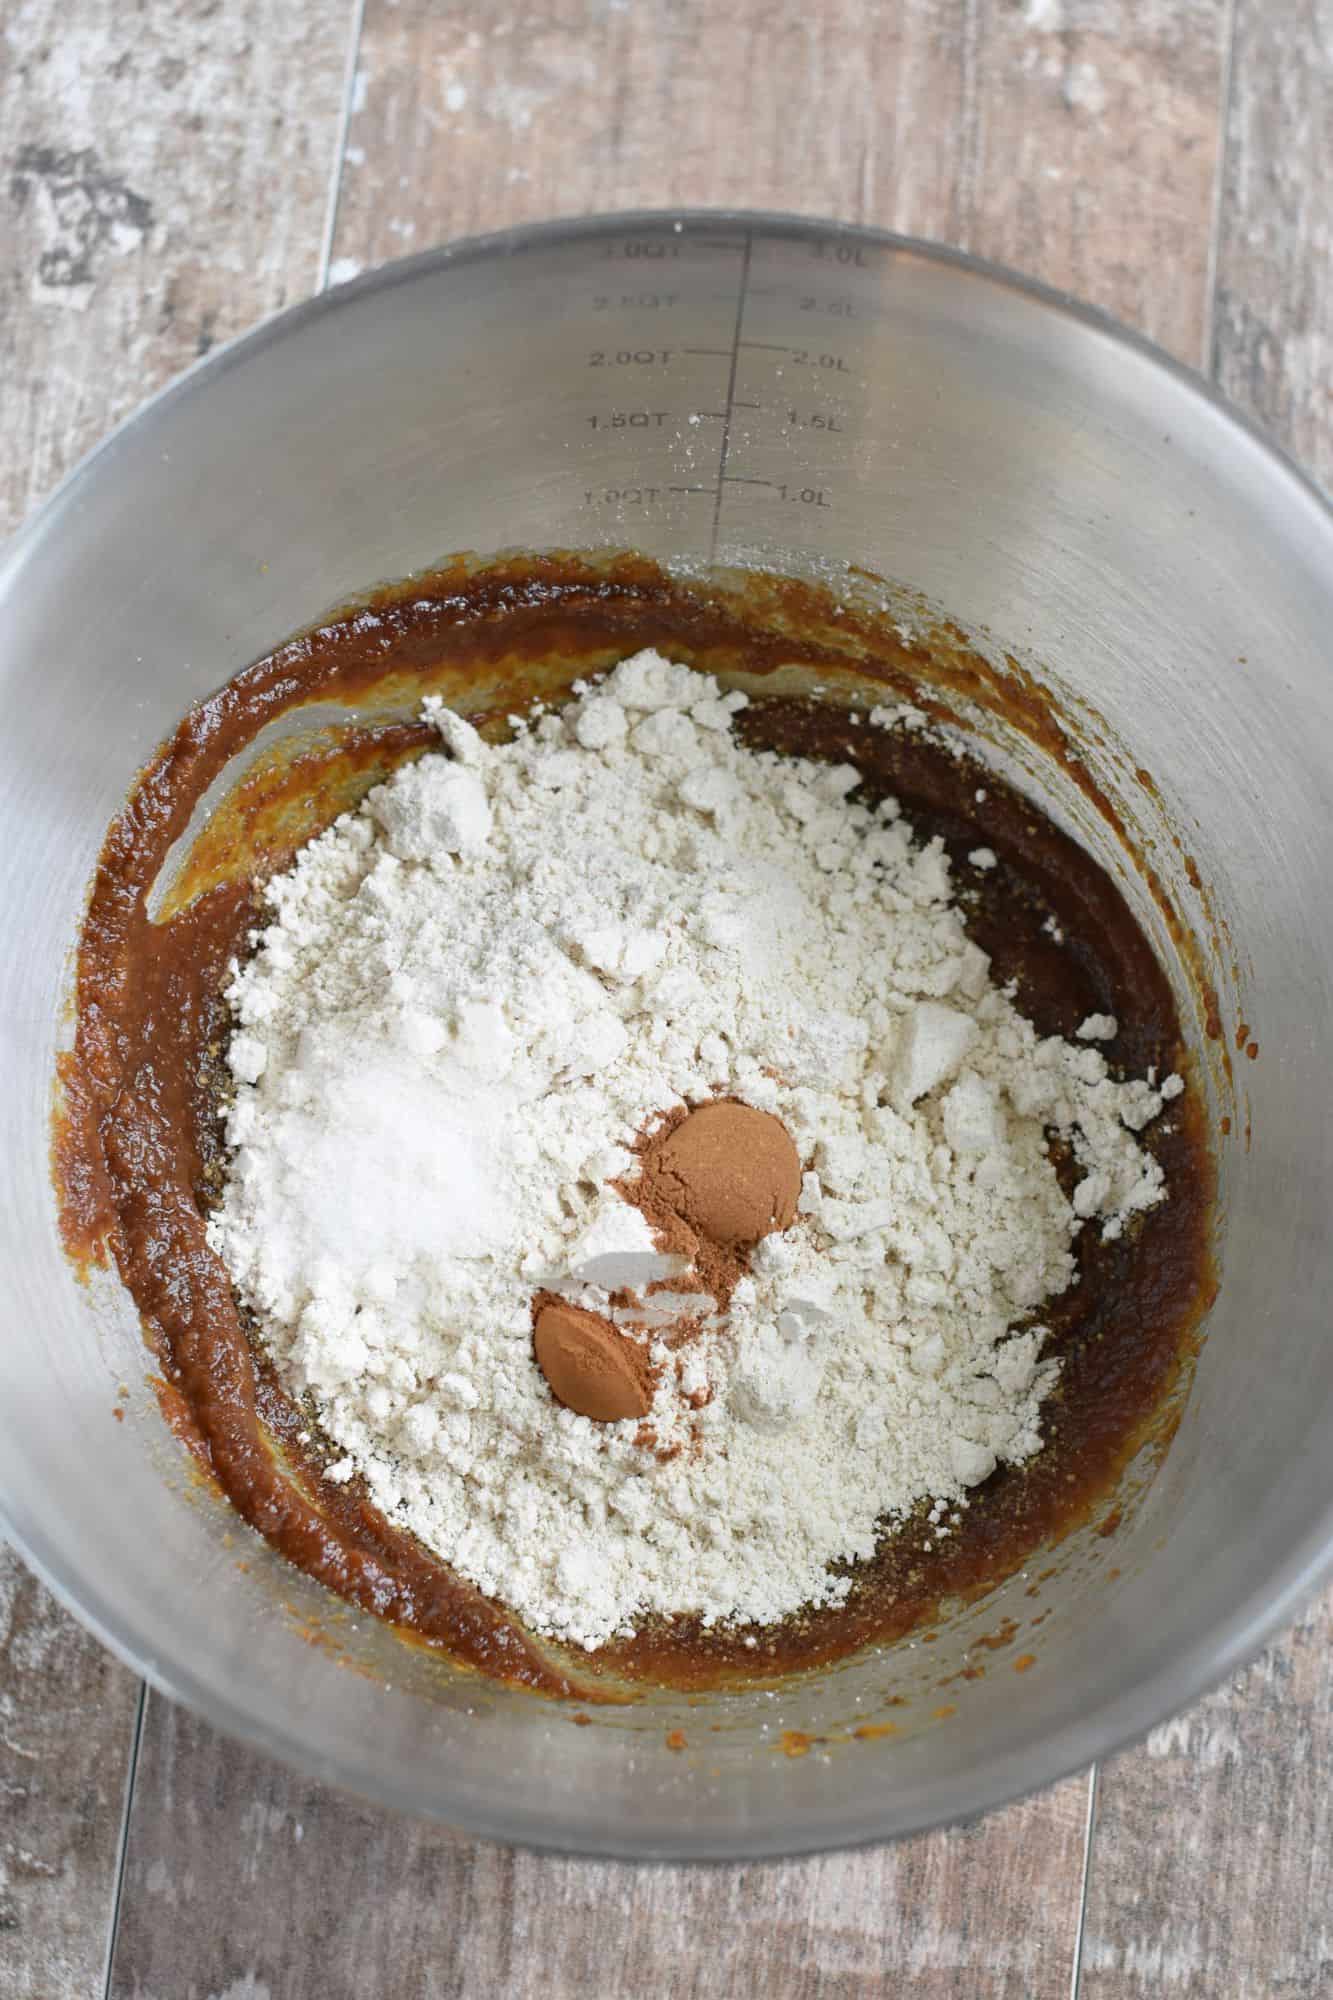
589,1364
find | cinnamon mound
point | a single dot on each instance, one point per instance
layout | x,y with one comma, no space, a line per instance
589,1365
729,1171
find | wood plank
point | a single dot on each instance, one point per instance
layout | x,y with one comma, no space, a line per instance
471,117
67,1717
1273,322
1212,1846
167,171
1073,138
1096,149
311,1892
1234,1796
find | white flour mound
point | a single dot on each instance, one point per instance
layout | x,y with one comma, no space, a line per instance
479,987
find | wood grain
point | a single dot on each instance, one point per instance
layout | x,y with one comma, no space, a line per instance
471,116
1212,1847
1076,138
1095,148
310,1892
167,171
67,1716
166,174
1232,1799
1273,323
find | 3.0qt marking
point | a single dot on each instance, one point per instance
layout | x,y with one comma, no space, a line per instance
647,249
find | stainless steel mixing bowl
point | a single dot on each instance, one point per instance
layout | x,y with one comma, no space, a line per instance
804,396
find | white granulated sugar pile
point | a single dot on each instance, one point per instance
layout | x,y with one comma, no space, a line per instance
479,988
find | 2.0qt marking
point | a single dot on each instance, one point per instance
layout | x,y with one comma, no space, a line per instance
629,357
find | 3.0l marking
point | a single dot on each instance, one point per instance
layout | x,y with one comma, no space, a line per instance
854,254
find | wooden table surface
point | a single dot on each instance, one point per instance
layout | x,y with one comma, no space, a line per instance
173,171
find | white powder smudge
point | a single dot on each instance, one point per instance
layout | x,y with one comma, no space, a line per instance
1084,89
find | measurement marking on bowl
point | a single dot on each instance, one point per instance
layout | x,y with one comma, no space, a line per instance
738,425
730,407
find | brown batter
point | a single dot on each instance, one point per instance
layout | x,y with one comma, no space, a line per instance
137,1145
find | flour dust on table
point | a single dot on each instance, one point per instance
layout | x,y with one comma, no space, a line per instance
636,1172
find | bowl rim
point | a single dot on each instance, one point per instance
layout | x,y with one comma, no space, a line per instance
1168,1686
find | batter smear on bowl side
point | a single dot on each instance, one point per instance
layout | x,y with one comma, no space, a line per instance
643,1184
